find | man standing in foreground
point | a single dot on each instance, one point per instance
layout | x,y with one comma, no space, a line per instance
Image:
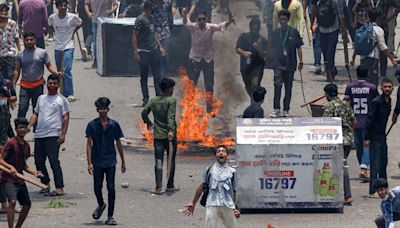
221,200
101,134
164,112
13,156
375,136
52,117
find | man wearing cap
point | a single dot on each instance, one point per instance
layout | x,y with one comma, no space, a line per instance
375,136
390,204
338,108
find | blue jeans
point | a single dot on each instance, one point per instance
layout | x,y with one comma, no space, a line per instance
328,42
94,31
362,151
67,85
25,95
378,161
316,44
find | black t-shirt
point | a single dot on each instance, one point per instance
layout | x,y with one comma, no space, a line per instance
283,49
253,111
245,42
146,38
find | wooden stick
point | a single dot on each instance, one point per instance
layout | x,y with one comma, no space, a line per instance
27,179
390,128
313,101
169,164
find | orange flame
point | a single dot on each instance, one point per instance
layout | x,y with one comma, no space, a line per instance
193,122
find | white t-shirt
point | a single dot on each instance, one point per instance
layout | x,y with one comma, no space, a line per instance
63,29
50,111
379,42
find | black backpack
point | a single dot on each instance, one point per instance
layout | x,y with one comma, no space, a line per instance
326,13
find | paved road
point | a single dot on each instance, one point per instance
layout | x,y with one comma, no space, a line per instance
135,207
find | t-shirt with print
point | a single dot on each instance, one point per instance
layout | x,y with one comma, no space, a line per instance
146,40
162,23
32,63
50,110
64,30
284,44
7,37
15,154
361,94
99,7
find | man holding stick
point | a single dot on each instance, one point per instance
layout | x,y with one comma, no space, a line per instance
13,157
101,134
65,25
164,112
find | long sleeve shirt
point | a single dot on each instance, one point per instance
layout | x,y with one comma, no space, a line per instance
296,16
397,108
377,119
202,40
390,206
164,112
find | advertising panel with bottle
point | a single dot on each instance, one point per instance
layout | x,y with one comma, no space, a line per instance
289,163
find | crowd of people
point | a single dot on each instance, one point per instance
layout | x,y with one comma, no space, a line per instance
364,111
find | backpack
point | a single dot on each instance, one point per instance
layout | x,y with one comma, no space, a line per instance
326,13
363,41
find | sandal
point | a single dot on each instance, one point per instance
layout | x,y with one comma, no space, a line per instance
99,211
158,191
53,193
110,221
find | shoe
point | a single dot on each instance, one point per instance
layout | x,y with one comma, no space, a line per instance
71,98
275,114
173,189
99,211
317,69
45,190
94,65
285,113
348,201
145,101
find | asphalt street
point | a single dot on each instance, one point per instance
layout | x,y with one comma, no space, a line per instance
135,206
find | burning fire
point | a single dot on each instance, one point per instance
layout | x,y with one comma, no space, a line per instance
193,122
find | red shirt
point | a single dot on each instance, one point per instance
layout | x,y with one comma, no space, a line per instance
15,154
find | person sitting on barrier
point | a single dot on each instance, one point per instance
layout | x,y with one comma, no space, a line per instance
390,204
255,110
219,192
339,108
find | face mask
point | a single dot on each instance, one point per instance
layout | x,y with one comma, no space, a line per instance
3,101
